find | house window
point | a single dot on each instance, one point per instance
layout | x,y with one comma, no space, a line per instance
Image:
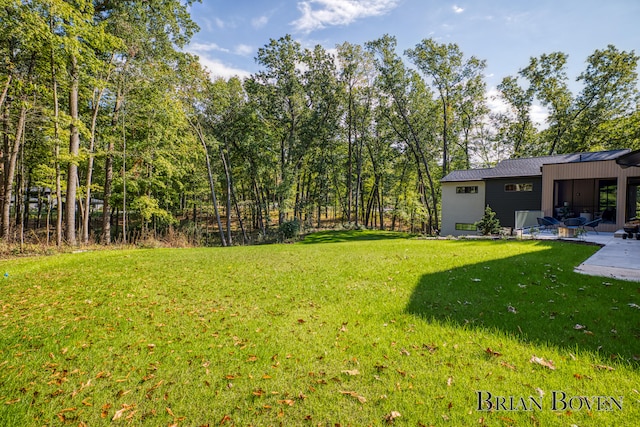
510,188
466,227
607,199
633,198
472,189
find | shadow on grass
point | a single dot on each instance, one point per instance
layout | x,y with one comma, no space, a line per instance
537,298
352,236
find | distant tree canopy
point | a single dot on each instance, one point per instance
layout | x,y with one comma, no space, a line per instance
110,132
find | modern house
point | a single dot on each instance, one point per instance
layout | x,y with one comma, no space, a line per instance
604,184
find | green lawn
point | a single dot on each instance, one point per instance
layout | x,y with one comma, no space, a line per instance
344,328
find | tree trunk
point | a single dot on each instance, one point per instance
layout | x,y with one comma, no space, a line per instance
211,183
227,174
108,179
56,150
11,171
74,148
350,156
92,142
5,89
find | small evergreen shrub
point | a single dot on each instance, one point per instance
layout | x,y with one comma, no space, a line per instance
489,224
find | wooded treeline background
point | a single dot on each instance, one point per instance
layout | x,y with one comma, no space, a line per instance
105,117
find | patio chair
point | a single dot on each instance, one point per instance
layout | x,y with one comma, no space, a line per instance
544,223
554,222
575,222
592,224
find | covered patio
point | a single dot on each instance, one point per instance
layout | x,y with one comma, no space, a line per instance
617,259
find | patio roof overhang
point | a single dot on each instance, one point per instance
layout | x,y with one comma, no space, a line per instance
630,159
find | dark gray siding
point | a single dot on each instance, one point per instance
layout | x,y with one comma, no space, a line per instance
505,204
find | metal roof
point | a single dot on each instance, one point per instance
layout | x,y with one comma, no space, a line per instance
629,159
532,166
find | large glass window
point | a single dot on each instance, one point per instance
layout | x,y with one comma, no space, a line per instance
633,198
608,199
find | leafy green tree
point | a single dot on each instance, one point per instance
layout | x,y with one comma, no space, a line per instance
408,109
610,92
152,32
518,128
460,87
357,76
281,99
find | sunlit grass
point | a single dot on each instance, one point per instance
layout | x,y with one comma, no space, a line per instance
351,328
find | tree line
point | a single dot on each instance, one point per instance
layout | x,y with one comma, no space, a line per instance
110,130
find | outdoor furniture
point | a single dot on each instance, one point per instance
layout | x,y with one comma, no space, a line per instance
632,227
592,224
574,222
554,222
545,224
570,227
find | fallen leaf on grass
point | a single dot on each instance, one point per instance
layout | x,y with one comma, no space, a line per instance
507,365
120,412
286,402
390,417
105,410
492,353
351,372
604,367
361,399
431,347
540,361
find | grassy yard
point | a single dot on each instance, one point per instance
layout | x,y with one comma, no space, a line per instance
349,329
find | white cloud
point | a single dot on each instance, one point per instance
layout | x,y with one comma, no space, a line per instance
217,68
259,22
539,116
338,12
495,103
457,9
206,47
244,50
537,112
220,23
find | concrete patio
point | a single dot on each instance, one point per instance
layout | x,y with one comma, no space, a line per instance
617,259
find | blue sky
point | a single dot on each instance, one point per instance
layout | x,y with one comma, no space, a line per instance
505,33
